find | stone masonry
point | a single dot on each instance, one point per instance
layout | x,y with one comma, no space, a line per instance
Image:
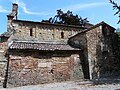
43,52
42,32
98,49
3,61
33,67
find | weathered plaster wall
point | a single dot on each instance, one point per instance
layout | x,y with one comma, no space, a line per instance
28,68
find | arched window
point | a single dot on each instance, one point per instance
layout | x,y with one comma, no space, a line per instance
62,34
31,32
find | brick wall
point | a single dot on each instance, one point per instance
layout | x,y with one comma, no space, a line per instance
33,67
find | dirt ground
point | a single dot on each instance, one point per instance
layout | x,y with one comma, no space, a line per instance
71,85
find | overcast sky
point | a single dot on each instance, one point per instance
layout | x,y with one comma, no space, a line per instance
36,10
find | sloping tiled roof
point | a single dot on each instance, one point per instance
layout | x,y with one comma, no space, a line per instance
97,25
40,46
6,34
101,23
88,25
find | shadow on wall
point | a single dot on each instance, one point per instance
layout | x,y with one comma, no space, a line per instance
106,81
42,54
85,65
108,63
80,41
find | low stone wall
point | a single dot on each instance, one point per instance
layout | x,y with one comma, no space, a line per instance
29,68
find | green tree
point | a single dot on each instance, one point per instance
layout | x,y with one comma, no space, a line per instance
116,7
67,18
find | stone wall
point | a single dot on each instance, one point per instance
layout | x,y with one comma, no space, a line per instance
93,39
3,61
34,67
98,50
80,41
42,31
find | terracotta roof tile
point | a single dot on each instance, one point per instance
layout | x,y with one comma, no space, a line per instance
40,46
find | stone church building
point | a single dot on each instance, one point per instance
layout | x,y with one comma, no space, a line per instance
36,52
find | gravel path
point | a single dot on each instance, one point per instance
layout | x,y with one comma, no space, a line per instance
70,85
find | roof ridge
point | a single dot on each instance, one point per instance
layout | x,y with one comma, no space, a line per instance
40,46
40,42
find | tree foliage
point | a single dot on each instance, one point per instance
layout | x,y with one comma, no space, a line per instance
67,18
116,7
118,30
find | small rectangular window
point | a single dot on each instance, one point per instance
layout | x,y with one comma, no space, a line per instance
62,34
31,32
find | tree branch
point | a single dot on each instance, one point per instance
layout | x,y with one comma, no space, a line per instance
115,6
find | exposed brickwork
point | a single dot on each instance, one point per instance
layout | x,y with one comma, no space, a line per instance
35,69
